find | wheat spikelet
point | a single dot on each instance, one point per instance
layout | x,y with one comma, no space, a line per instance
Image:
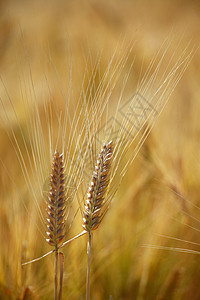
97,190
56,202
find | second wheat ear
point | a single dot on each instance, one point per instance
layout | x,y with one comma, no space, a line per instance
96,199
97,190
56,215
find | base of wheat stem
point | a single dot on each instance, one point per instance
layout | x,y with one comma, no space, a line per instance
61,255
89,253
61,265
56,276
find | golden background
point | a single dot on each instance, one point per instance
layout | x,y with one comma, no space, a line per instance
160,194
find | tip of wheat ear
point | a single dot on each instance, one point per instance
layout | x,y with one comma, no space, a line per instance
56,202
97,190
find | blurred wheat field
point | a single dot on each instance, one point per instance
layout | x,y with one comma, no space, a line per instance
53,53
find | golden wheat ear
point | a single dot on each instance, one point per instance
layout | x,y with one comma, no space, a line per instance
98,188
56,208
56,202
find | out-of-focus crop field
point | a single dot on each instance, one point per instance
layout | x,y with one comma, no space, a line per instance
44,48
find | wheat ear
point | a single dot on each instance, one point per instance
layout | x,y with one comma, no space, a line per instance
56,212
95,200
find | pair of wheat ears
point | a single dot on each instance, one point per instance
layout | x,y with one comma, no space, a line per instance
114,158
93,206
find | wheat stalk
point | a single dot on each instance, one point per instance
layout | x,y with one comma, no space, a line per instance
95,200
56,213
